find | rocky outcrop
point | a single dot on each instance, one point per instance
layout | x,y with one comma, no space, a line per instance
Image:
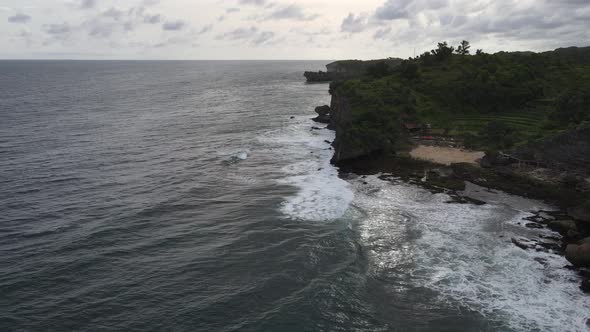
578,255
563,226
323,114
581,213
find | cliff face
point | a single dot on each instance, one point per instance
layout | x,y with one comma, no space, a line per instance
350,142
340,119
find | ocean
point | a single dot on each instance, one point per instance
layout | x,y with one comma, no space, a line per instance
196,196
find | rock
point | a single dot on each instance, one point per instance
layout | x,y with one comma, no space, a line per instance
550,237
585,287
292,117
578,255
316,128
546,216
572,235
323,110
323,114
524,243
581,213
322,119
326,141
562,226
550,246
533,225
491,160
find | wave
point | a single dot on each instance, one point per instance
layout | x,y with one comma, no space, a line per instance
321,194
463,253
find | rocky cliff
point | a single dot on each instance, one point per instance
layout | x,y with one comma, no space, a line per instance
340,119
354,137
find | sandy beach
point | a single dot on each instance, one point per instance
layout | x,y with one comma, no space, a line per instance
446,155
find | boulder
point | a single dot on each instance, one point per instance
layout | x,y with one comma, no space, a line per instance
572,236
493,159
323,114
551,246
578,255
562,226
581,213
523,243
323,110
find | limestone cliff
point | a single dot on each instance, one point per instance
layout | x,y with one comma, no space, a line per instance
351,141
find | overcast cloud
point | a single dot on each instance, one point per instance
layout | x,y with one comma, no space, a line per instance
283,29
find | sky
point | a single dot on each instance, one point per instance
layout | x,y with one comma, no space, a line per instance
282,29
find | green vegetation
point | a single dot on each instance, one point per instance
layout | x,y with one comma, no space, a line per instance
493,101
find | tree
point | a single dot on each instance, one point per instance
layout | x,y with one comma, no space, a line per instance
479,52
443,51
379,69
572,106
463,49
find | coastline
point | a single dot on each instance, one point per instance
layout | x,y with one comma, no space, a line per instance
454,169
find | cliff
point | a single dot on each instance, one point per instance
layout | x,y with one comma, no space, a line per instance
360,134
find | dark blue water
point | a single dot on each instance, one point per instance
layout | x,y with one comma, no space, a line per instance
194,196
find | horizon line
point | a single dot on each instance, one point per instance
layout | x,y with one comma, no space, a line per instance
97,59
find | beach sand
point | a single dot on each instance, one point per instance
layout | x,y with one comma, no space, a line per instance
446,155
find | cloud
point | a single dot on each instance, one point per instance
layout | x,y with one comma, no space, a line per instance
263,37
291,12
115,14
19,18
382,33
152,19
424,22
393,9
148,3
59,30
253,2
174,25
252,35
399,9
354,24
87,4
205,29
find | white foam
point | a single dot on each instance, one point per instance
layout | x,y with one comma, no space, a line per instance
243,155
463,252
321,194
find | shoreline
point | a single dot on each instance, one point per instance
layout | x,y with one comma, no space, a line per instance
453,180
449,170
